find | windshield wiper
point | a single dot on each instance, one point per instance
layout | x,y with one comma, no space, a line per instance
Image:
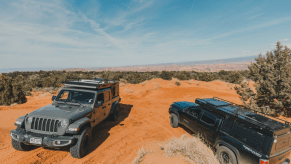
64,102
81,104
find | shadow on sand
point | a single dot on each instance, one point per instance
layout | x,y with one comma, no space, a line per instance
101,132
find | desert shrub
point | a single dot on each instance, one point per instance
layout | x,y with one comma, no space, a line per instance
10,92
191,149
177,83
140,156
183,75
273,76
234,77
166,75
44,79
207,76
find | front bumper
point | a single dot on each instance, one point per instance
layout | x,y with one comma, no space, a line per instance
46,140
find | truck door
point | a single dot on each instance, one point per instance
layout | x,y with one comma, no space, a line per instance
208,126
190,118
98,112
107,103
193,119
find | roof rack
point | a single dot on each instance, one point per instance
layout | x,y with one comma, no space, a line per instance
223,107
89,83
265,114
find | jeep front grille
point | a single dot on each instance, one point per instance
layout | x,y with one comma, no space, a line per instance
44,124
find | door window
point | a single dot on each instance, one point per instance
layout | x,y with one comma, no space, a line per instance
195,112
100,97
208,119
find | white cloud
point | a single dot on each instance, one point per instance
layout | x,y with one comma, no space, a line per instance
283,40
251,28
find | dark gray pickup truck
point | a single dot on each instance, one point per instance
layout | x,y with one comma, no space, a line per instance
239,136
68,121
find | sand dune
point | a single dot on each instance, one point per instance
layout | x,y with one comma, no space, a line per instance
143,122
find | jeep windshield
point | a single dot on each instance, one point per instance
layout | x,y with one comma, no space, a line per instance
80,97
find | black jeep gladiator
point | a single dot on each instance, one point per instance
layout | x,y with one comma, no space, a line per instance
68,121
238,135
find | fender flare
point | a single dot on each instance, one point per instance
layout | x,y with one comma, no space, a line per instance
177,113
79,124
21,120
236,152
113,107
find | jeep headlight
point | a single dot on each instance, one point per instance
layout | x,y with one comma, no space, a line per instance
64,123
18,122
29,120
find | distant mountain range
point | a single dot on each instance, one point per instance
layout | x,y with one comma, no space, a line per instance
247,59
239,63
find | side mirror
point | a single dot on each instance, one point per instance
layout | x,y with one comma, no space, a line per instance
99,103
53,98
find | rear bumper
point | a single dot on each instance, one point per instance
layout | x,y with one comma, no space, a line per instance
46,140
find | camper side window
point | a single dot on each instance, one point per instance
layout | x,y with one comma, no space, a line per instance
113,92
107,96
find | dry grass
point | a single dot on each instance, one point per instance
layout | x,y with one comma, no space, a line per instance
190,149
51,90
140,155
144,83
128,90
157,86
197,82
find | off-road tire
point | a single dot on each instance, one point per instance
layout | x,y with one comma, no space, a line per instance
174,120
81,147
225,155
20,146
114,116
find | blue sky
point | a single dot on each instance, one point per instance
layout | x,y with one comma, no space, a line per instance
92,33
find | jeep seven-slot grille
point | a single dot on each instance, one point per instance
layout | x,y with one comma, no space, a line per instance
44,124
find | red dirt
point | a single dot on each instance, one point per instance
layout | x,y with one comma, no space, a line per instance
144,120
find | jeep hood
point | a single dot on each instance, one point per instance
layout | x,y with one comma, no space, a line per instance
62,111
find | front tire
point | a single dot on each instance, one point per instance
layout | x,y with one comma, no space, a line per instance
226,156
20,146
174,120
81,147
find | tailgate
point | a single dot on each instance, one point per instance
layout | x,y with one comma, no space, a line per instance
281,145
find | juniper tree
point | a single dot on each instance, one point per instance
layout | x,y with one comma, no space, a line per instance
10,92
272,73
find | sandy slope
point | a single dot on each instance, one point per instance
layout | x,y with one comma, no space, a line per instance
144,120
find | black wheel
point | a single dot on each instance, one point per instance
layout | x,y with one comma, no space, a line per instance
20,146
114,116
81,147
226,156
174,120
